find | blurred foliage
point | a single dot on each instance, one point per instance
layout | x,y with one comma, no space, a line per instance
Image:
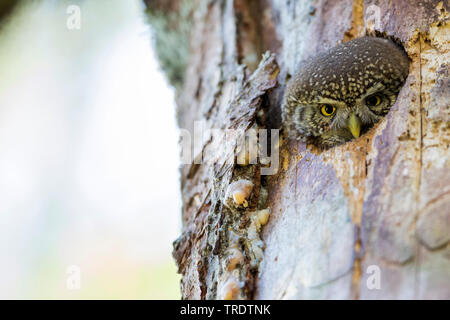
116,279
70,107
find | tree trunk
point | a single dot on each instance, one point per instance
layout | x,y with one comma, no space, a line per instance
366,220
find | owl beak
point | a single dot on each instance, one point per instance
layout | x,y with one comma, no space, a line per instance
354,125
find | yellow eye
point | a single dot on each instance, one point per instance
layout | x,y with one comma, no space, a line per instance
327,110
373,100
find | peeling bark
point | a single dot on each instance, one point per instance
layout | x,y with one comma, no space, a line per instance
382,200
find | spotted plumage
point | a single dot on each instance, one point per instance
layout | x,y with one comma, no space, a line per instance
339,94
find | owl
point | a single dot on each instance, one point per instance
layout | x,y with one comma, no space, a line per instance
340,94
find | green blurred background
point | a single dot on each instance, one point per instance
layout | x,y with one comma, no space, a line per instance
88,166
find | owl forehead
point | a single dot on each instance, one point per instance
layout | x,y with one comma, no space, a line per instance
347,71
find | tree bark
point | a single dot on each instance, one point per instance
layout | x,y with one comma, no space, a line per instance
376,206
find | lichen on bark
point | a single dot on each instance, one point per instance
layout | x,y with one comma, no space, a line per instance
171,23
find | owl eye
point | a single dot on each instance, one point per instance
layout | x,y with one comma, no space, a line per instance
373,100
327,110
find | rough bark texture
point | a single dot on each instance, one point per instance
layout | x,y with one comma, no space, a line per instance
381,200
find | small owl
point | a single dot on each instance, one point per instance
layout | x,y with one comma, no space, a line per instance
339,94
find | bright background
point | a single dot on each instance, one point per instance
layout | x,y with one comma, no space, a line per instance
88,155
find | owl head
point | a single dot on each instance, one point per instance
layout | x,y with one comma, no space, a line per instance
341,93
